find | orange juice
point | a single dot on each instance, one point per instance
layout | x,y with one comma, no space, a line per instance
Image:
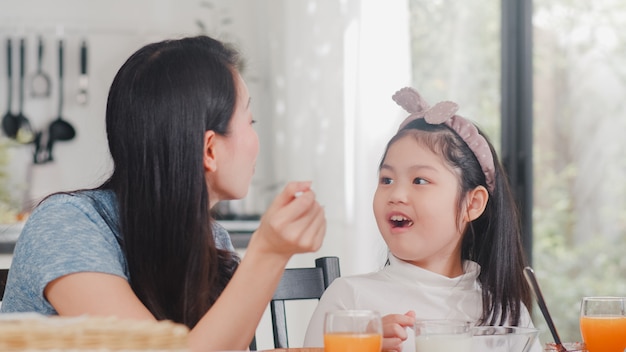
347,342
604,334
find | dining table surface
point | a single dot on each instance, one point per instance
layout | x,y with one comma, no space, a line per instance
297,349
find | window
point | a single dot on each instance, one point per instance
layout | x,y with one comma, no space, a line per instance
456,56
579,160
579,118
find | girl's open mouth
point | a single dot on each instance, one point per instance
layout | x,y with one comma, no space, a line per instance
399,221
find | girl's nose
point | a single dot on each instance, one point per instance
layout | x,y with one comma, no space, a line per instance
398,194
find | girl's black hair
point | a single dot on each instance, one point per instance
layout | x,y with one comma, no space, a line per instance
493,240
161,102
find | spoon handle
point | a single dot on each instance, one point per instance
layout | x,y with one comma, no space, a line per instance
10,73
60,77
9,58
532,280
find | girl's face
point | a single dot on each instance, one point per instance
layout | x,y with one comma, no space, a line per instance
235,153
416,207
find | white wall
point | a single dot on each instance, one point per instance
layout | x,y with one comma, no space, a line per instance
321,75
112,35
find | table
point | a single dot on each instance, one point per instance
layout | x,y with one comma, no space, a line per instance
300,349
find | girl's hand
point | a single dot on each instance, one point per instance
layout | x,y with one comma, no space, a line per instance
394,330
293,223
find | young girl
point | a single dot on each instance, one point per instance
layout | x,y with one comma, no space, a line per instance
445,210
143,245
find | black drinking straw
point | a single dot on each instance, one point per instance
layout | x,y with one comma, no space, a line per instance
532,280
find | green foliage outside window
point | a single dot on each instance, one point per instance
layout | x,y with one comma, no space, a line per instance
579,83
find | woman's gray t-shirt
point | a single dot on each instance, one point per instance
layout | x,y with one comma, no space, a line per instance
67,234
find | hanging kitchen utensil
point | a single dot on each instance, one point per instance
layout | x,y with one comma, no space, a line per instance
40,82
10,123
59,129
39,154
24,133
83,79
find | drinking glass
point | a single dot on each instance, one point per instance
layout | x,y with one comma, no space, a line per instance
443,335
353,331
603,323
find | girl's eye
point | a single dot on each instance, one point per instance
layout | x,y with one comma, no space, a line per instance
419,181
386,180
253,122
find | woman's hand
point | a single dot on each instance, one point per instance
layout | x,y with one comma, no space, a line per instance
394,330
293,223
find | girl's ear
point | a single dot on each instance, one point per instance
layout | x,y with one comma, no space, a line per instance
209,155
476,203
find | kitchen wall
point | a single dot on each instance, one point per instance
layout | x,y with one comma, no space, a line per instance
113,30
321,75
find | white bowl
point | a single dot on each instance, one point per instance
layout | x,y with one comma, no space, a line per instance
503,338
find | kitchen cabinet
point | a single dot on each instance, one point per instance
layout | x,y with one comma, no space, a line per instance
240,232
8,235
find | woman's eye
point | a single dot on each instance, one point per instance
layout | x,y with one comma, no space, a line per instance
386,180
252,122
419,181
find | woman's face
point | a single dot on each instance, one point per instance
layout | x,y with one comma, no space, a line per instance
236,152
415,206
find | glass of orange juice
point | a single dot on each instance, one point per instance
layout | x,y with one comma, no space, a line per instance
353,331
603,323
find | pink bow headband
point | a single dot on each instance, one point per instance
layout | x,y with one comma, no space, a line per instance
444,112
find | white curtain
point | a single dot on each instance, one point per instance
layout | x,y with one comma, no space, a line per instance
331,68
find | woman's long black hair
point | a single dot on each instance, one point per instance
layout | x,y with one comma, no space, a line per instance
493,240
161,102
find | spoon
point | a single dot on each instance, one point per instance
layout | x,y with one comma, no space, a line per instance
10,123
532,280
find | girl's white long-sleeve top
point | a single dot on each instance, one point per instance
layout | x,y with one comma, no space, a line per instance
400,287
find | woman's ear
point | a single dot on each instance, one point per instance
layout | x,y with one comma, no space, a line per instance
209,155
476,203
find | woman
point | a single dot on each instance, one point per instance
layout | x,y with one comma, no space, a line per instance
143,244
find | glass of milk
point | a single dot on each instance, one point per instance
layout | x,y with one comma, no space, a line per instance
443,335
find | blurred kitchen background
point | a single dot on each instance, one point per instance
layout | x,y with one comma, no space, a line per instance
320,73
542,78
310,73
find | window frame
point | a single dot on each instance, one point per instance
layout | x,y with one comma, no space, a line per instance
516,109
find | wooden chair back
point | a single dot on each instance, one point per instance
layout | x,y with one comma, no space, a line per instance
300,284
3,281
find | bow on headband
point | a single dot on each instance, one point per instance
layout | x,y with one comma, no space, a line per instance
444,113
